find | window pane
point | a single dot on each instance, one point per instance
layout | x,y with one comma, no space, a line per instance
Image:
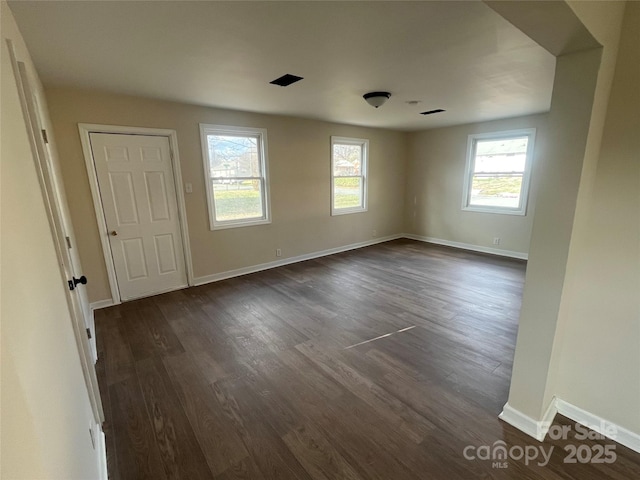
506,155
496,191
233,156
347,192
237,200
347,159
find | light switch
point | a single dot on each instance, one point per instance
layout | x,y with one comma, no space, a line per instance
188,187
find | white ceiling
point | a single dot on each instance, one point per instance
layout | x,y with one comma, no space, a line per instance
459,56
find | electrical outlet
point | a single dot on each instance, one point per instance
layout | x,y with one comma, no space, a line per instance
374,233
188,187
278,252
496,240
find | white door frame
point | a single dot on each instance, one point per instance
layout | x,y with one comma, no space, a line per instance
85,130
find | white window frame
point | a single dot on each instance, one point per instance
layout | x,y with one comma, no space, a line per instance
364,166
261,134
526,176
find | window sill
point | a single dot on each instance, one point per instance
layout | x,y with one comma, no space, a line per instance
499,211
347,211
250,223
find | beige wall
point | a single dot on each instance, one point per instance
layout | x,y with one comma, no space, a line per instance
46,412
436,163
599,366
299,176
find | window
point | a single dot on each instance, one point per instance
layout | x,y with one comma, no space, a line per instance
235,169
348,175
498,171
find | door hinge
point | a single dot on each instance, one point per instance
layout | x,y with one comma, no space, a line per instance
89,333
45,137
93,440
68,243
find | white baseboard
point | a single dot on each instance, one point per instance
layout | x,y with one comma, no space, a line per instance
102,452
101,304
468,246
538,428
534,428
287,261
215,277
598,424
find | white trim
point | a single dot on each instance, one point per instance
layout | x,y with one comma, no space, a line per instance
468,246
157,292
108,302
598,424
215,277
534,428
538,428
287,261
526,174
101,447
87,128
261,133
364,170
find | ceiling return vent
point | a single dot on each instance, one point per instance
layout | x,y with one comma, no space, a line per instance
286,80
430,112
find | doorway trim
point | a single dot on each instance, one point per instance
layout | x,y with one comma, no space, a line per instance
85,130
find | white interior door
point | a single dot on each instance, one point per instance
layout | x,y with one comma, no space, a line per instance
65,217
138,195
61,229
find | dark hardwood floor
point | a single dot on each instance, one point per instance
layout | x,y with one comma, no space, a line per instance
379,363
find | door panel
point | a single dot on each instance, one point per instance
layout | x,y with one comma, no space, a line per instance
134,260
141,212
157,196
126,209
165,253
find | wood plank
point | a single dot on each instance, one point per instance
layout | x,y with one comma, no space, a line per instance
317,455
246,469
148,333
181,455
244,406
117,356
138,457
215,433
390,409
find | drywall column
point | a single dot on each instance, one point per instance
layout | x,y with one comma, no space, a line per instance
569,121
599,369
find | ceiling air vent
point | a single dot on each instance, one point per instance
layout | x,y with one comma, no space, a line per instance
286,80
438,110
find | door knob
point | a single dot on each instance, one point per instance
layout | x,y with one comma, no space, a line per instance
113,233
75,281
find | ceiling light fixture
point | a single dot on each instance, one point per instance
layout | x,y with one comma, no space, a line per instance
376,99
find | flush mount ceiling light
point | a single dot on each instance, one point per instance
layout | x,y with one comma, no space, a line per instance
376,99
